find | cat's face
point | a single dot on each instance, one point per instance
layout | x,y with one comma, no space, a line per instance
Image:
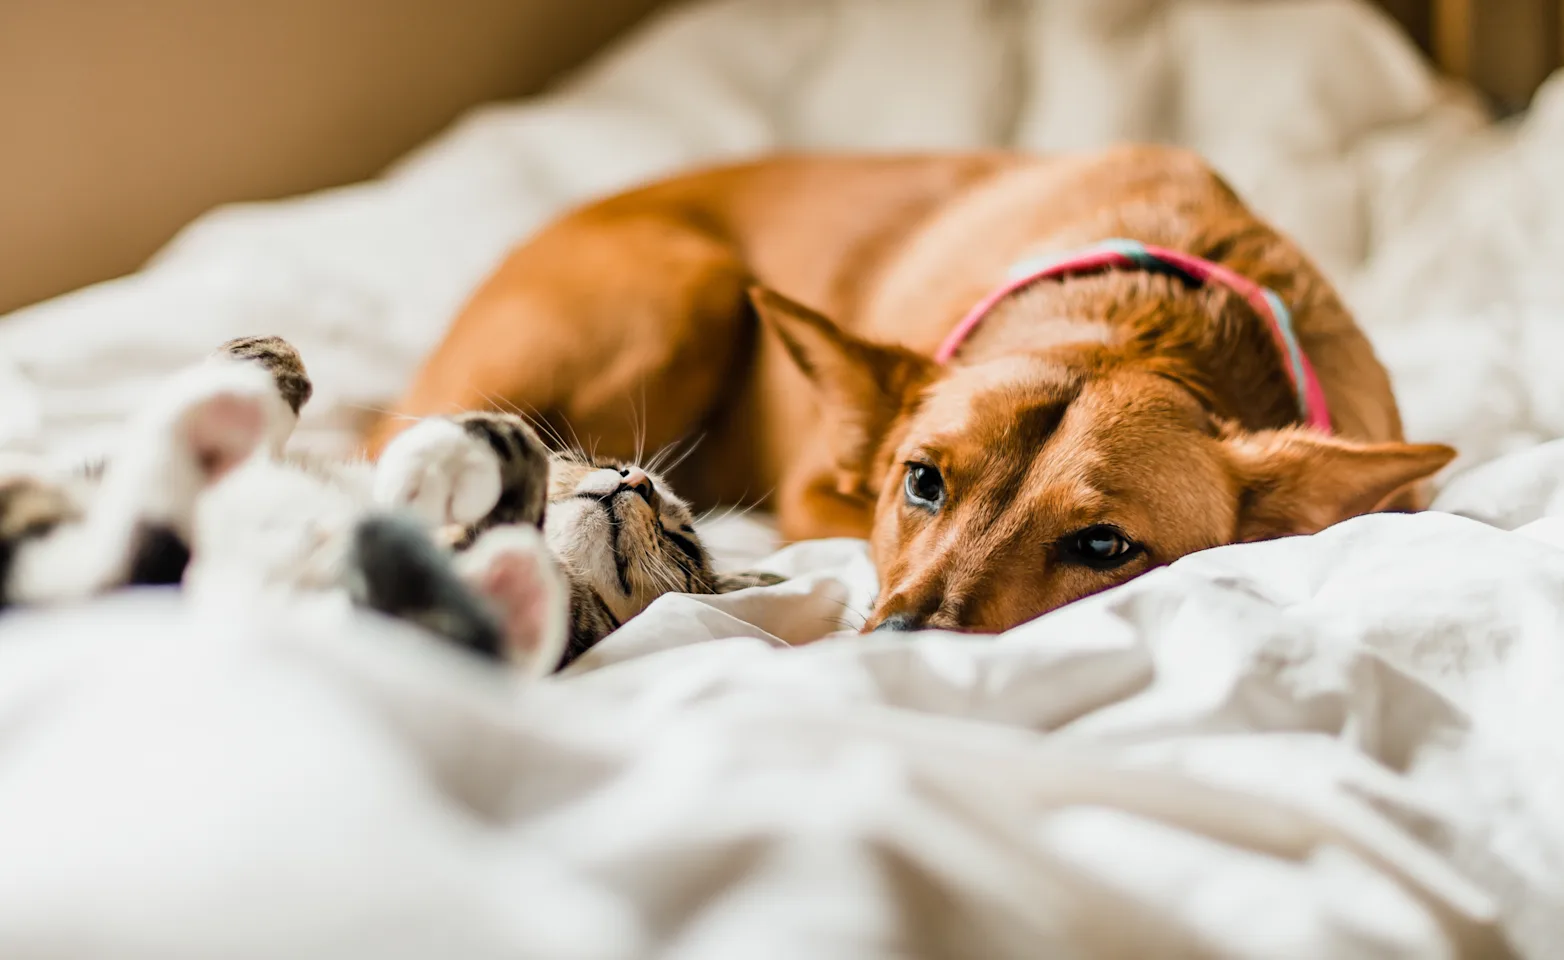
621,529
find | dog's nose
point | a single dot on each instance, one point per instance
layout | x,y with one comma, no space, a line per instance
634,478
900,623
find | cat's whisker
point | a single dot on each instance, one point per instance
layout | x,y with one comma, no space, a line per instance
847,608
710,515
575,439
658,458
674,465
535,419
640,418
655,464
541,424
670,583
731,510
383,411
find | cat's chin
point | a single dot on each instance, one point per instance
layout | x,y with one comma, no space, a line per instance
602,543
580,533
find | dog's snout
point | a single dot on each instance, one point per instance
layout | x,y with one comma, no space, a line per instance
900,623
634,478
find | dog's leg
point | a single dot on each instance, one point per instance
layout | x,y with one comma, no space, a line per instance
623,330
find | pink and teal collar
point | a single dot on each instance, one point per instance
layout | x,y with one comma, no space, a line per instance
1131,254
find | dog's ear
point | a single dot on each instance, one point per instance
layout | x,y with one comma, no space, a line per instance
1299,481
863,386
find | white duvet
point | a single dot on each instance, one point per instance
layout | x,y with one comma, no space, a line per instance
1346,745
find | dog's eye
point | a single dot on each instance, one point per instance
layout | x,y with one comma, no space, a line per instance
1101,546
925,487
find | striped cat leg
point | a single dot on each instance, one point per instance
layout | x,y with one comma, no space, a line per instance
467,473
134,527
282,363
31,510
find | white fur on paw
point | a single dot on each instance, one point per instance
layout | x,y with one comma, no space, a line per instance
214,417
223,430
197,428
281,419
513,570
439,472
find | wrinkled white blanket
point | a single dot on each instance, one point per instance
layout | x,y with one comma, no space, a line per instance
1336,746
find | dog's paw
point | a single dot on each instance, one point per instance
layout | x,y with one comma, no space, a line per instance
440,472
514,573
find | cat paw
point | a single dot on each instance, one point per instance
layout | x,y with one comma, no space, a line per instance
221,431
206,421
291,387
281,361
198,428
511,568
440,472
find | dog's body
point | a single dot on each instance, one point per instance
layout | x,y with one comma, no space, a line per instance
1120,402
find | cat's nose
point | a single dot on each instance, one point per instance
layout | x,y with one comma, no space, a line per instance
634,478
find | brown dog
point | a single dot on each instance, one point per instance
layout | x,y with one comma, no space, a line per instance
1090,426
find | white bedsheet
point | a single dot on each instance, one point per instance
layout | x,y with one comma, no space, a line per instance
1336,746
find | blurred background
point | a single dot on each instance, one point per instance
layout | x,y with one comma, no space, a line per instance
344,173
123,121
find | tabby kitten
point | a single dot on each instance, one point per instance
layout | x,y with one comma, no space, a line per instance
620,536
467,525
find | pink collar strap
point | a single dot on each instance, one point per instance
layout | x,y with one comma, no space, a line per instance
1133,255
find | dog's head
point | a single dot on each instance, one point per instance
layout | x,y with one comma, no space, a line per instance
1005,488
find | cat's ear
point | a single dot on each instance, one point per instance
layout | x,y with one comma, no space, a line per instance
511,568
729,582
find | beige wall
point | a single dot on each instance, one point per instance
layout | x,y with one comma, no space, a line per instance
122,119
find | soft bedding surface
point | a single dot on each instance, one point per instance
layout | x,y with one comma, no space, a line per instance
1336,746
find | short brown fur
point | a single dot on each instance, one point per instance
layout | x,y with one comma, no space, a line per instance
1123,399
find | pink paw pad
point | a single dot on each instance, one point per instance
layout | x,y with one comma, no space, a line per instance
223,431
525,594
